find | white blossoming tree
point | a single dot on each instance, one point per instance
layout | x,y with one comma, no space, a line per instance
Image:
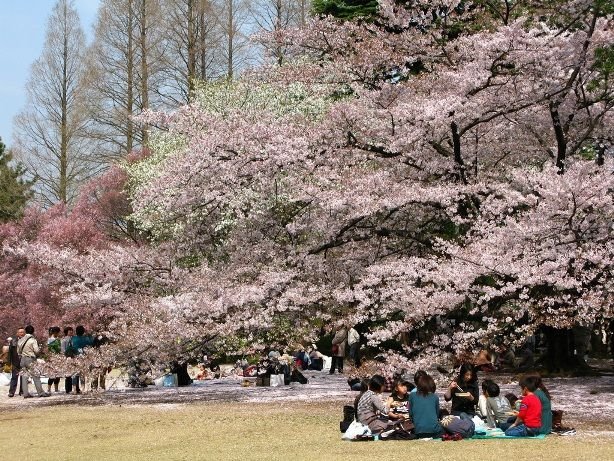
438,178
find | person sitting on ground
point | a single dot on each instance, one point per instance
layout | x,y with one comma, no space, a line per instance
544,397
371,410
528,422
464,392
506,358
202,372
355,383
316,359
363,387
424,409
513,400
273,354
417,375
301,358
493,406
483,361
398,401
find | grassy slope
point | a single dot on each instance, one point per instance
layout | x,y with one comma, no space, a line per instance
214,431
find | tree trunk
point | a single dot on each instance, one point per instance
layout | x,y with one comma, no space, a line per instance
130,81
231,36
561,141
144,66
560,353
63,170
458,158
192,49
203,42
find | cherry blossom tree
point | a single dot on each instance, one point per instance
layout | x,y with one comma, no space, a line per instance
442,177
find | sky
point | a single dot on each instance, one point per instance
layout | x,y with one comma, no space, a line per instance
22,34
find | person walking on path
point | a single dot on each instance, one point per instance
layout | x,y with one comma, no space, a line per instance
27,348
338,352
15,361
354,343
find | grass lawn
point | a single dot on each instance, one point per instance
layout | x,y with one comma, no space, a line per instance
261,431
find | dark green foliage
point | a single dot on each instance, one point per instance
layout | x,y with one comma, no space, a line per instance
14,190
604,7
604,61
346,9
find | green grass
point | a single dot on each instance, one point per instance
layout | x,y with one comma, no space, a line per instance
216,431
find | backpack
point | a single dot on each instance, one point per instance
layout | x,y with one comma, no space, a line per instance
455,425
70,351
54,346
349,413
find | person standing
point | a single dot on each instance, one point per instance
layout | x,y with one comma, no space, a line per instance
79,343
354,343
28,350
15,361
66,348
338,352
54,347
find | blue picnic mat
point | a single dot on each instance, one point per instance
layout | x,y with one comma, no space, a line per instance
499,434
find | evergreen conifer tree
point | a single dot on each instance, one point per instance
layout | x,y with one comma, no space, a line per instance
14,190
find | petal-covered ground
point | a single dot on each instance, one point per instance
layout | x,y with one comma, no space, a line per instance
587,402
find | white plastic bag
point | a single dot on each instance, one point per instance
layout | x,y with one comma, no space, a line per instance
354,430
278,380
5,379
326,363
480,426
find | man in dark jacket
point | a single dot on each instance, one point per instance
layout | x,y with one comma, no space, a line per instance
14,360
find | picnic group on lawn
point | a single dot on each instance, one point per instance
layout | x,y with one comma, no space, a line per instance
413,410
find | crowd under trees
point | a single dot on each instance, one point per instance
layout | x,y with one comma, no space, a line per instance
438,173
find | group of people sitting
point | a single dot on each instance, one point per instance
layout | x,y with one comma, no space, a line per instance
417,404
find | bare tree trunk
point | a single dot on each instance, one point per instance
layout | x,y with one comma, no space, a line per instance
192,50
63,172
203,40
130,80
231,34
144,66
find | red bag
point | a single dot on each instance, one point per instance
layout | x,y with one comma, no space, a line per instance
335,349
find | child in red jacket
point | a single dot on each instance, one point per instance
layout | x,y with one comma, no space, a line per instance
529,419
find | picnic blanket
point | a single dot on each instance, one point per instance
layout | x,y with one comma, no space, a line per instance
499,434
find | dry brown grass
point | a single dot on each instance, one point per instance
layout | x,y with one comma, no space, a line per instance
218,431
